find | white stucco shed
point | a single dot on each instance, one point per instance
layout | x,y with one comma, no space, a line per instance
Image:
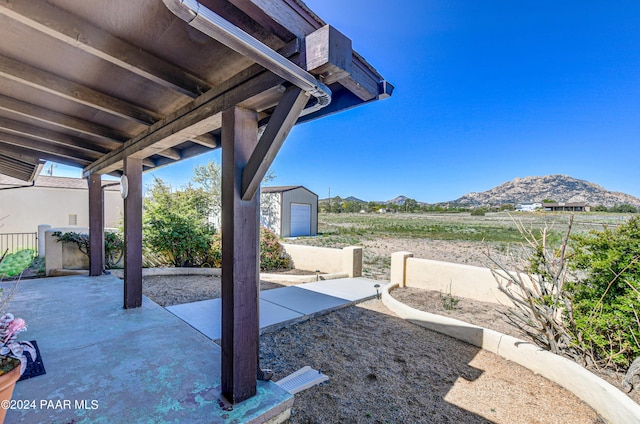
289,211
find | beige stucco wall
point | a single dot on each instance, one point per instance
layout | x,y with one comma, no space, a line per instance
63,255
461,280
25,208
310,258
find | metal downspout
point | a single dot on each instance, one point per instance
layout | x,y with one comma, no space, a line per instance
221,30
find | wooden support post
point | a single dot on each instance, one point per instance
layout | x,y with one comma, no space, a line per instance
240,259
96,225
133,234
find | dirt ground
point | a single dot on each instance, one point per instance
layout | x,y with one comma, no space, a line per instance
383,369
377,253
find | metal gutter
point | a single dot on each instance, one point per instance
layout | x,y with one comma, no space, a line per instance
221,30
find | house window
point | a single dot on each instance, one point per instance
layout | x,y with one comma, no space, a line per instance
73,219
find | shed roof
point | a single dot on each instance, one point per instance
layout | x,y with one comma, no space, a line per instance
282,189
89,82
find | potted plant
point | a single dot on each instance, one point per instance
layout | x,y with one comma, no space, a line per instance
13,361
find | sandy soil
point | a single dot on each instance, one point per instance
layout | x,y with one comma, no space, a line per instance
384,369
487,315
377,253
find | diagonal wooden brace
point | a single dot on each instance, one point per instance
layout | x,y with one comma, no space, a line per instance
283,119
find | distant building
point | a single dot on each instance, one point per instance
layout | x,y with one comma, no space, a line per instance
567,207
289,211
528,207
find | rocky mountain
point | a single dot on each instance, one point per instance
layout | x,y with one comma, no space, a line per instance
399,200
560,188
354,199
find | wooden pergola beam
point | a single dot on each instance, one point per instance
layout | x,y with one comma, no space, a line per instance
60,120
18,168
207,140
54,149
200,116
27,154
282,120
170,153
68,90
32,131
257,14
80,34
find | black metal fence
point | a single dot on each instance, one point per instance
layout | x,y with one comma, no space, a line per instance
18,241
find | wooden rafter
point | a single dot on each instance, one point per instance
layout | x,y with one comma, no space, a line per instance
207,140
43,134
61,120
84,36
41,80
54,149
25,153
18,168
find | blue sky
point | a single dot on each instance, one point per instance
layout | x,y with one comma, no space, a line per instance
486,91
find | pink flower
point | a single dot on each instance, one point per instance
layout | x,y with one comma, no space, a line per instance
15,326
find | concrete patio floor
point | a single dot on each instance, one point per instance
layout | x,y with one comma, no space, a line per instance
107,364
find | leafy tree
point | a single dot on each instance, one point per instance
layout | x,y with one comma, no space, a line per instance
549,201
607,299
410,205
209,178
624,208
176,223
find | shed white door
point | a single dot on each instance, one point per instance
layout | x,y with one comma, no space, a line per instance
300,220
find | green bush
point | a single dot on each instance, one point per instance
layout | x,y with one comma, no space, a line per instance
272,254
14,263
607,298
478,212
215,251
113,245
176,225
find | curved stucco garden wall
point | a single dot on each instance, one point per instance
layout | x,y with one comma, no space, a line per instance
608,401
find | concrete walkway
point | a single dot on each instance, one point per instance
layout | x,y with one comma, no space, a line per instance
279,307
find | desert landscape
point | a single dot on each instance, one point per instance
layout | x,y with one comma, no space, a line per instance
384,369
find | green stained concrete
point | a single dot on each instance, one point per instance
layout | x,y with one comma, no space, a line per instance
141,365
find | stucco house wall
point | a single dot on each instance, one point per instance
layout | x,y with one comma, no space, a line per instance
57,201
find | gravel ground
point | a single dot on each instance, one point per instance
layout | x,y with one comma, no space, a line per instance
487,315
383,369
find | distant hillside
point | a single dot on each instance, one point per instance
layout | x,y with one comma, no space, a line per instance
561,188
396,200
354,199
342,199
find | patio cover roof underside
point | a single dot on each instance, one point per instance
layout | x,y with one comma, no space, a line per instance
88,82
